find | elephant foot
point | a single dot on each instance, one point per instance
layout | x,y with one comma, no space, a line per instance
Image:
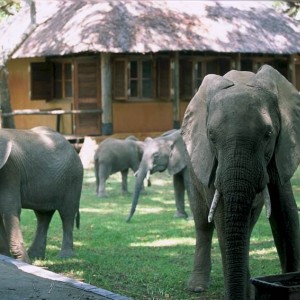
182,215
102,195
35,254
197,283
66,253
25,259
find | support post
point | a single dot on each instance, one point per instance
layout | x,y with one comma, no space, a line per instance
175,90
106,94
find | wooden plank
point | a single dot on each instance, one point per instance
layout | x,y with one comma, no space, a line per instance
50,112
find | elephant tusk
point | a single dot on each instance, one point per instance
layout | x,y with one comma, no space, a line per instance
148,176
213,206
136,173
267,201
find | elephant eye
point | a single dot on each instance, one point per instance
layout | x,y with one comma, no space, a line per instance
268,134
211,136
155,155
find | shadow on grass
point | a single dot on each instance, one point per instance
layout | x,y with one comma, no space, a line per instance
152,256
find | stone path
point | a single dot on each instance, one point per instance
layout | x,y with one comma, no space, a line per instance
21,281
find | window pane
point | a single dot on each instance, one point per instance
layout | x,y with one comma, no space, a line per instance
68,71
68,89
147,88
163,78
120,74
41,80
133,88
57,89
133,69
147,69
199,75
57,71
186,79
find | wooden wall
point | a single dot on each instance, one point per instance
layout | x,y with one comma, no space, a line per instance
142,117
19,85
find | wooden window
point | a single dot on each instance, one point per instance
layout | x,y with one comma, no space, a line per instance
41,74
51,80
133,79
186,86
62,80
163,78
219,66
200,74
120,79
141,79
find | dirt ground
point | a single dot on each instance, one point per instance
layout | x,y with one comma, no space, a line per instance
20,281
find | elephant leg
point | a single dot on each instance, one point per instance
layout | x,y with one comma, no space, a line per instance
200,277
15,237
4,246
285,226
67,242
103,175
124,181
179,189
38,246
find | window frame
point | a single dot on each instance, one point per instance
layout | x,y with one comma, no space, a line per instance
42,80
140,79
122,90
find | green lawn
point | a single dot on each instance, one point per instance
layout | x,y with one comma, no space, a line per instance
149,258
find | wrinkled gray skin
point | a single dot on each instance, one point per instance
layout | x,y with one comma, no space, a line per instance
115,155
161,153
39,170
242,135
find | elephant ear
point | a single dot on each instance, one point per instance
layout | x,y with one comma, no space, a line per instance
194,130
176,159
287,152
5,150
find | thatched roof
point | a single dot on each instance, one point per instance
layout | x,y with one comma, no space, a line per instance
76,26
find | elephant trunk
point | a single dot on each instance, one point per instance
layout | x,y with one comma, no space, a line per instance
239,187
237,236
139,182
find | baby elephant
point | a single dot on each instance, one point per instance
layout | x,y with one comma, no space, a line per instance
115,155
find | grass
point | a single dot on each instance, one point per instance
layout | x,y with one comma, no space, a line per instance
152,256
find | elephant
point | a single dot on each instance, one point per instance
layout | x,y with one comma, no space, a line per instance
116,155
39,170
242,146
161,153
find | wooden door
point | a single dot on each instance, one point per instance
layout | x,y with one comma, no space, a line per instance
87,96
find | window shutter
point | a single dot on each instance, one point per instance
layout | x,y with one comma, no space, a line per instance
41,81
186,79
163,78
119,79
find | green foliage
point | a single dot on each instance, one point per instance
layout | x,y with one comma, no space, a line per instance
152,256
290,8
9,7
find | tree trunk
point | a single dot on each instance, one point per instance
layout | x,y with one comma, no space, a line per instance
7,122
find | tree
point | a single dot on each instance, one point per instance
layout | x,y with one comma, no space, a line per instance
290,8
9,7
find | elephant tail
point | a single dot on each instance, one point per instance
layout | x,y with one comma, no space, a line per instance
78,220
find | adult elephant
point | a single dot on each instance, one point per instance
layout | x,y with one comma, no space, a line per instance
39,170
116,155
161,153
242,135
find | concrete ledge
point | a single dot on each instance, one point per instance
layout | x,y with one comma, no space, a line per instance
25,268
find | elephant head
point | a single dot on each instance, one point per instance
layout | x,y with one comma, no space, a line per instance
160,154
240,134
